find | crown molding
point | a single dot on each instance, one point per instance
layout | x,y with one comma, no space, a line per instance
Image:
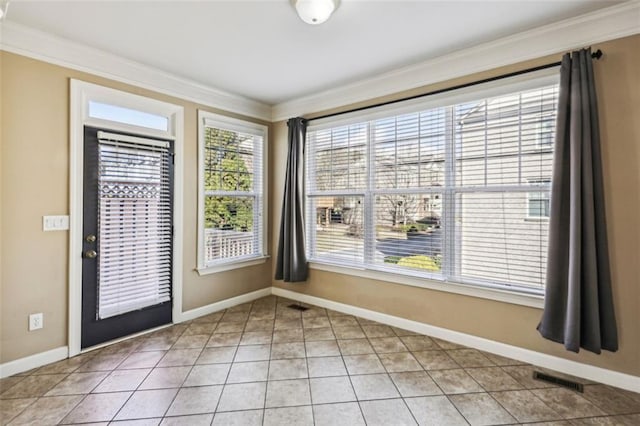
595,27
602,25
36,44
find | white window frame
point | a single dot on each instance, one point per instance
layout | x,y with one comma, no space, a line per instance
487,90
208,119
81,93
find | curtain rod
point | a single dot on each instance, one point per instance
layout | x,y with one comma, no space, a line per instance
595,55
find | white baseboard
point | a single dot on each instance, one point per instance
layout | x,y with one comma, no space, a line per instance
43,358
590,372
223,304
33,361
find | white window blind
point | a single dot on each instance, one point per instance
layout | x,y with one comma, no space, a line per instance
134,225
232,173
338,180
444,193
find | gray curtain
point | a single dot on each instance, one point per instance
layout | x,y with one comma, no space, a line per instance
291,263
578,308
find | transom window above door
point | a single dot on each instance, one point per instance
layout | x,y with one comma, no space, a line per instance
115,113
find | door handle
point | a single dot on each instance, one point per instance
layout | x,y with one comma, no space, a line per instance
90,254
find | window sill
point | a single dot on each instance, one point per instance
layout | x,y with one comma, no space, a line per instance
229,266
516,298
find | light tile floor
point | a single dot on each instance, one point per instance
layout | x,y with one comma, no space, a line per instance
263,363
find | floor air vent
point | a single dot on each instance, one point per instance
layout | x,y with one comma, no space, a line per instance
298,307
558,381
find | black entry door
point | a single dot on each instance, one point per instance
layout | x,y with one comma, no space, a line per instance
127,235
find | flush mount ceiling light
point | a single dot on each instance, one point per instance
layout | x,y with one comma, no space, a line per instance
315,12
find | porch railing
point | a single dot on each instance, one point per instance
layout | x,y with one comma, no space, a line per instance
223,244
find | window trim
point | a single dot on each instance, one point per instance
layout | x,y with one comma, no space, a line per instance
491,89
208,119
80,94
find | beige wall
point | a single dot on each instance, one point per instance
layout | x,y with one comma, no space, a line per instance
34,181
618,85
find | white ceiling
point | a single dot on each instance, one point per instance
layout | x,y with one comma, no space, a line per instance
261,50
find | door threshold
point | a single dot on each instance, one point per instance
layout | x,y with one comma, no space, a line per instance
122,339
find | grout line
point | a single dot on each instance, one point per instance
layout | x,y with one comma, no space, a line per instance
457,409
266,386
391,379
306,363
353,389
137,387
23,410
186,375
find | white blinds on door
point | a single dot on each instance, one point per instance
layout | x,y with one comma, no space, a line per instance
134,224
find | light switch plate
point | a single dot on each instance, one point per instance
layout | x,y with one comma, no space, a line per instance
55,223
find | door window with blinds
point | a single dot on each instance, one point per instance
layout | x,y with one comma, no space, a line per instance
446,192
134,223
231,190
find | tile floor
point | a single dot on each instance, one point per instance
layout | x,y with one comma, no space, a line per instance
263,363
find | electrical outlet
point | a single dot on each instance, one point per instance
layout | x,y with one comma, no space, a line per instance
36,321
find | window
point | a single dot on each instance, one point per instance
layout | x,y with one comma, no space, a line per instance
128,116
231,216
538,202
439,192
545,134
